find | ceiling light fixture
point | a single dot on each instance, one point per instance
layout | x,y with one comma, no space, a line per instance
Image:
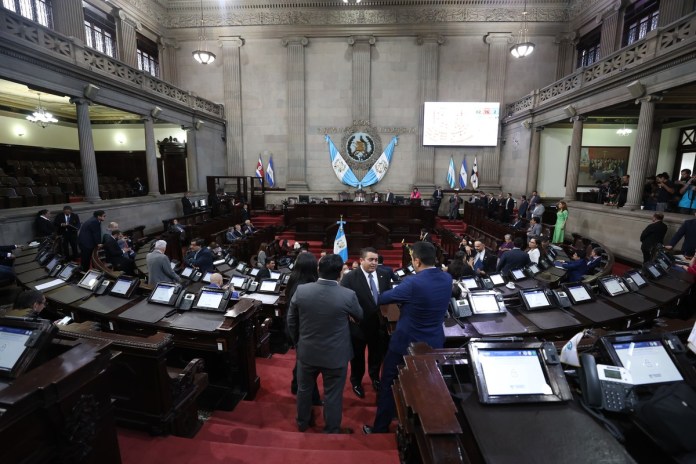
347,1
523,47
41,117
202,55
624,131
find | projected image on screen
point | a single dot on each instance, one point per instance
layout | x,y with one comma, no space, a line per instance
513,372
12,345
461,123
637,278
518,274
497,279
579,293
268,286
648,362
484,304
121,287
613,286
162,294
471,284
209,299
536,299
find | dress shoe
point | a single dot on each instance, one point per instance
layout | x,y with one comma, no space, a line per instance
358,390
376,384
367,430
304,427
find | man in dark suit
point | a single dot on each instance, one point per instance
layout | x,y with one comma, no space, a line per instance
533,201
90,237
199,256
523,207
509,207
368,283
595,260
67,224
390,197
513,259
653,234
455,202
484,262
186,203
114,253
7,262
437,199
688,231
576,267
265,272
318,325
43,225
517,222
424,300
138,187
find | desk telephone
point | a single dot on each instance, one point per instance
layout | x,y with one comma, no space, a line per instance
606,387
562,298
632,285
487,283
460,308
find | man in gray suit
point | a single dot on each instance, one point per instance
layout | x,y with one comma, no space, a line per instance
318,324
159,269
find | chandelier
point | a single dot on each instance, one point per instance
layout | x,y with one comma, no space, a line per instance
202,55
624,131
41,117
523,47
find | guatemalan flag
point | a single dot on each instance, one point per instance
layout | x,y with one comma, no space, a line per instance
451,174
270,174
259,169
341,244
463,174
474,175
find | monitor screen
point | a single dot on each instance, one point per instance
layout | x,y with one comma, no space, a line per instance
497,279
410,268
579,293
209,299
518,274
533,268
12,345
275,275
90,280
67,271
53,263
535,299
470,283
552,253
268,286
254,271
637,278
613,286
203,203
484,303
206,277
513,372
240,267
237,281
187,272
163,293
654,271
647,362
218,262
122,286
663,262
400,272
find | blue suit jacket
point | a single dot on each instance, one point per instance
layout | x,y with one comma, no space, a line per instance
90,234
424,299
204,260
576,269
688,231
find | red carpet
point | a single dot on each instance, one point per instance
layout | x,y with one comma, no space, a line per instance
264,431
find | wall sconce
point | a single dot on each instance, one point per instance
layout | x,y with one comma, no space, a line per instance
20,131
120,139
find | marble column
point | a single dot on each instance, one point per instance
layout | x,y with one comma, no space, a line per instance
167,48
151,157
574,158
86,143
638,164
192,158
126,38
565,62
655,139
69,18
670,11
498,53
232,87
427,91
361,61
297,155
533,166
610,36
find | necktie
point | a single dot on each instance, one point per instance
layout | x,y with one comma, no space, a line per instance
373,286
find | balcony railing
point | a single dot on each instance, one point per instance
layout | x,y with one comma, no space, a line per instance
663,41
26,33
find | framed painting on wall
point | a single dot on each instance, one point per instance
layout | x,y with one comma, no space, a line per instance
598,164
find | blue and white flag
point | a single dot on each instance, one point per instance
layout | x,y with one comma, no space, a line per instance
474,175
346,175
379,169
463,174
259,170
451,174
341,169
341,244
270,174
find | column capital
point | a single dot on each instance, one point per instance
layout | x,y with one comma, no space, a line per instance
80,101
539,128
578,118
611,9
357,39
126,18
649,99
430,39
295,40
168,42
498,38
231,42
569,38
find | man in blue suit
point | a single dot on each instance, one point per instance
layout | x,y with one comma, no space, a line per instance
200,256
688,231
424,299
576,267
513,259
90,237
